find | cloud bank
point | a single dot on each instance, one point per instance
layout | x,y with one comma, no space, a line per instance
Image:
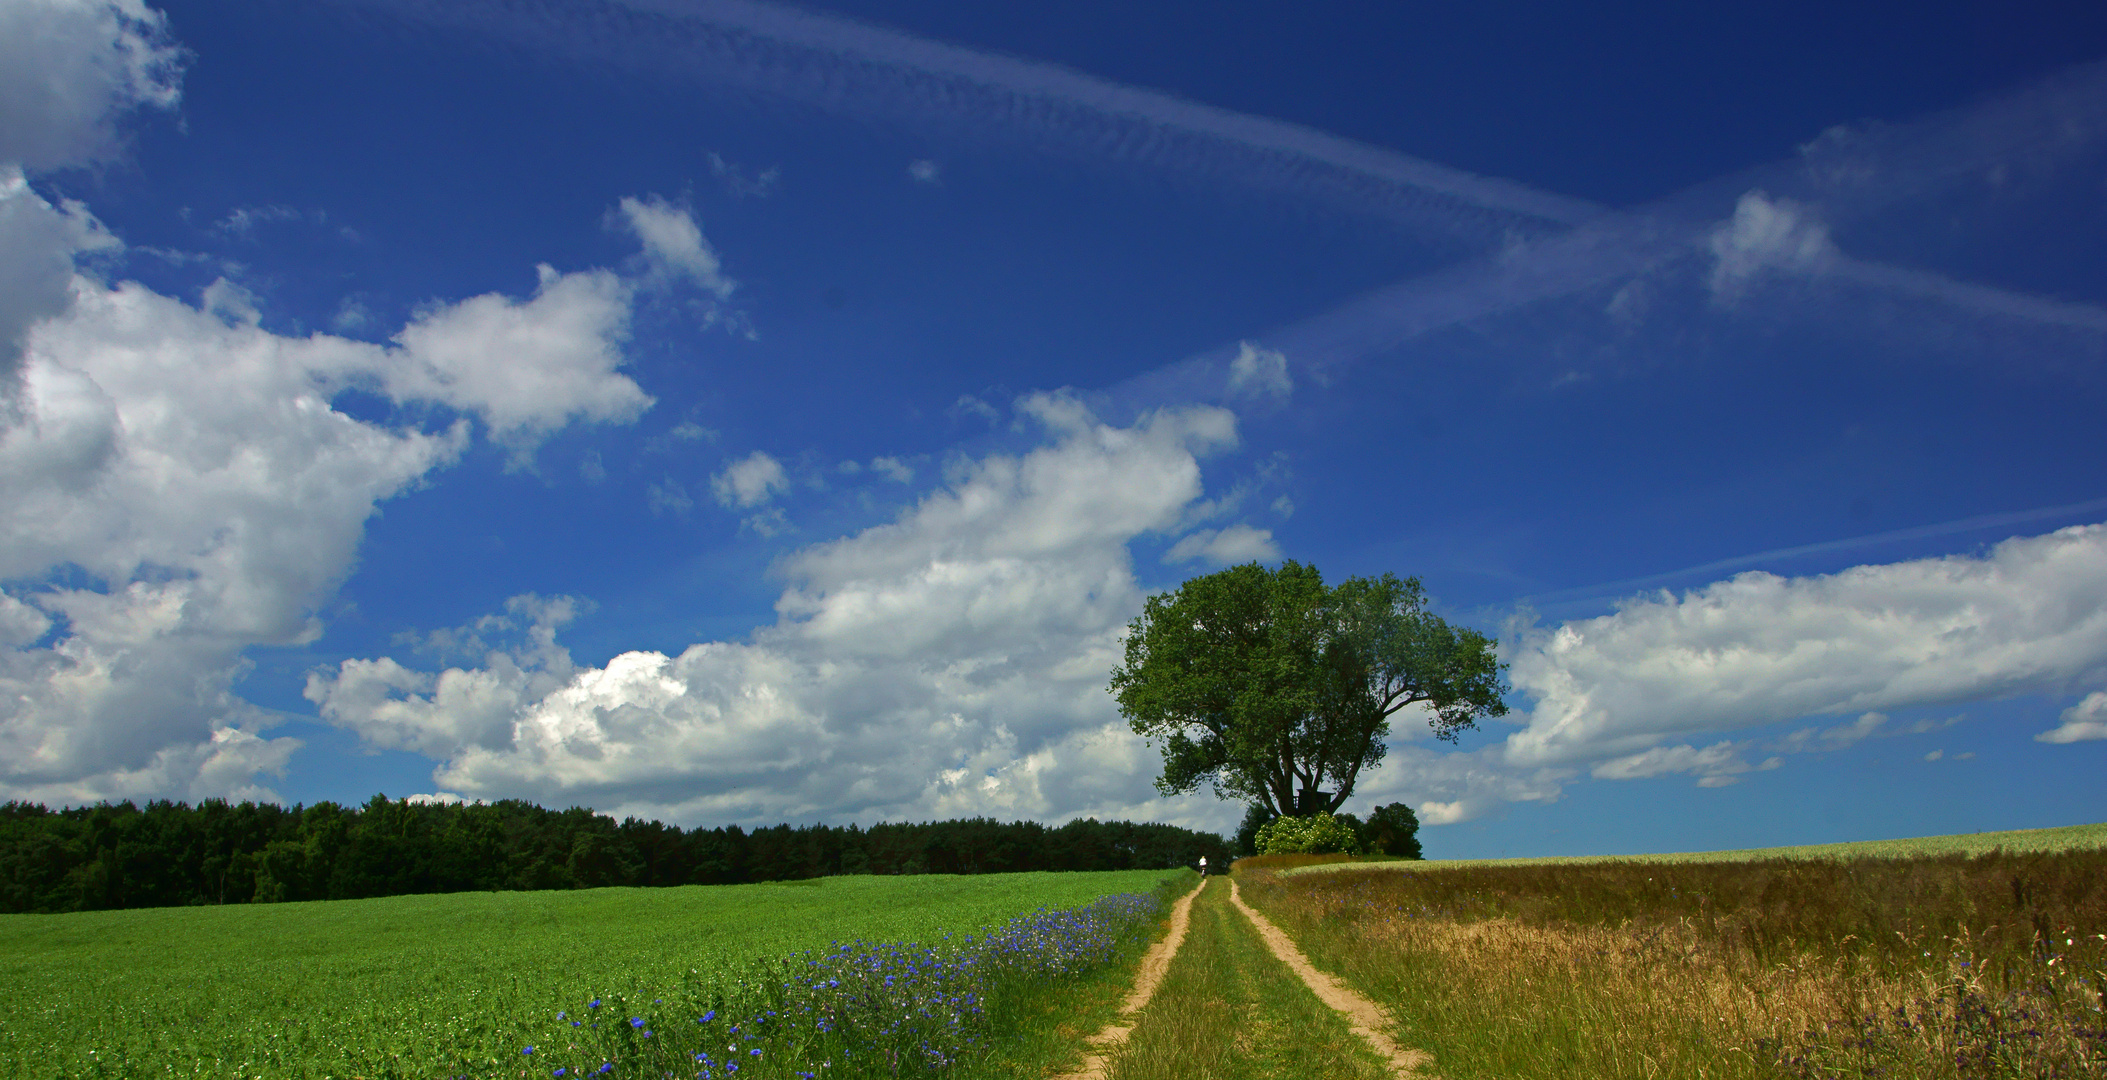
1684,685
176,487
951,661
71,69
1757,649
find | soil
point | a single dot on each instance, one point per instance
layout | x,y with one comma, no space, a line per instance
1153,964
1361,1014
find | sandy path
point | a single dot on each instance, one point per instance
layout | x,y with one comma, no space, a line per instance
1361,1014
1153,964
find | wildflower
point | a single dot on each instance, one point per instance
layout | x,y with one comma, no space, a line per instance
558,1072
604,1066
528,1050
636,1021
593,1004
707,1017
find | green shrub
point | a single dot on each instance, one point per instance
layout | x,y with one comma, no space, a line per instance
1317,834
1393,830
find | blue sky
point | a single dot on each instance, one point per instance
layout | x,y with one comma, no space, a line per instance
737,412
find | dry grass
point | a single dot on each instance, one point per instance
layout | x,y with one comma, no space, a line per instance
1228,1010
2012,842
1295,862
1987,967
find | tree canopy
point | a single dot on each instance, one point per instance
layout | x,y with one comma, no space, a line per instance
1278,690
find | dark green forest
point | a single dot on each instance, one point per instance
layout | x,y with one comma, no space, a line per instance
170,854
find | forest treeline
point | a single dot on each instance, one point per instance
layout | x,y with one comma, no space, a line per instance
168,854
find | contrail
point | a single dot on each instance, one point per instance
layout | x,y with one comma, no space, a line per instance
1920,532
852,67
1545,246
1841,177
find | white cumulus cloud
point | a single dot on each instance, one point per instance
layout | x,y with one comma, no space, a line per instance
70,68
951,661
190,463
395,707
1225,547
1446,788
37,244
527,367
893,469
1259,372
750,481
195,471
2083,722
674,246
1765,235
1717,765
2029,617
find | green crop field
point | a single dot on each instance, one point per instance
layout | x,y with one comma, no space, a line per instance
406,986
2064,838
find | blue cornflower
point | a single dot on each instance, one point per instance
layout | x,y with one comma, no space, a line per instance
561,1016
604,1066
756,1051
528,1050
707,1017
593,1004
636,1021
558,1072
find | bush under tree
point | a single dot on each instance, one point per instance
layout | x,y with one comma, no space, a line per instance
1392,830
1320,833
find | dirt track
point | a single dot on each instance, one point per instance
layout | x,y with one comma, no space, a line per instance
1153,964
1366,1020
1362,1015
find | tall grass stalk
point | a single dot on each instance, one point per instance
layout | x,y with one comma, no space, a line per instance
1228,1010
1954,967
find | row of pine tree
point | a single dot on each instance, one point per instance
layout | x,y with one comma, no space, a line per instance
165,854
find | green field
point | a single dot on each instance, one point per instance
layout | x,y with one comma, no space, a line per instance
403,986
2063,838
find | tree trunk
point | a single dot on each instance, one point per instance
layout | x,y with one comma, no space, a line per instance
1310,801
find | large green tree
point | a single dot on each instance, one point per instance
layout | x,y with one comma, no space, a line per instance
1278,690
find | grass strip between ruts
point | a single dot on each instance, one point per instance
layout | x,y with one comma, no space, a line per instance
1228,1010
